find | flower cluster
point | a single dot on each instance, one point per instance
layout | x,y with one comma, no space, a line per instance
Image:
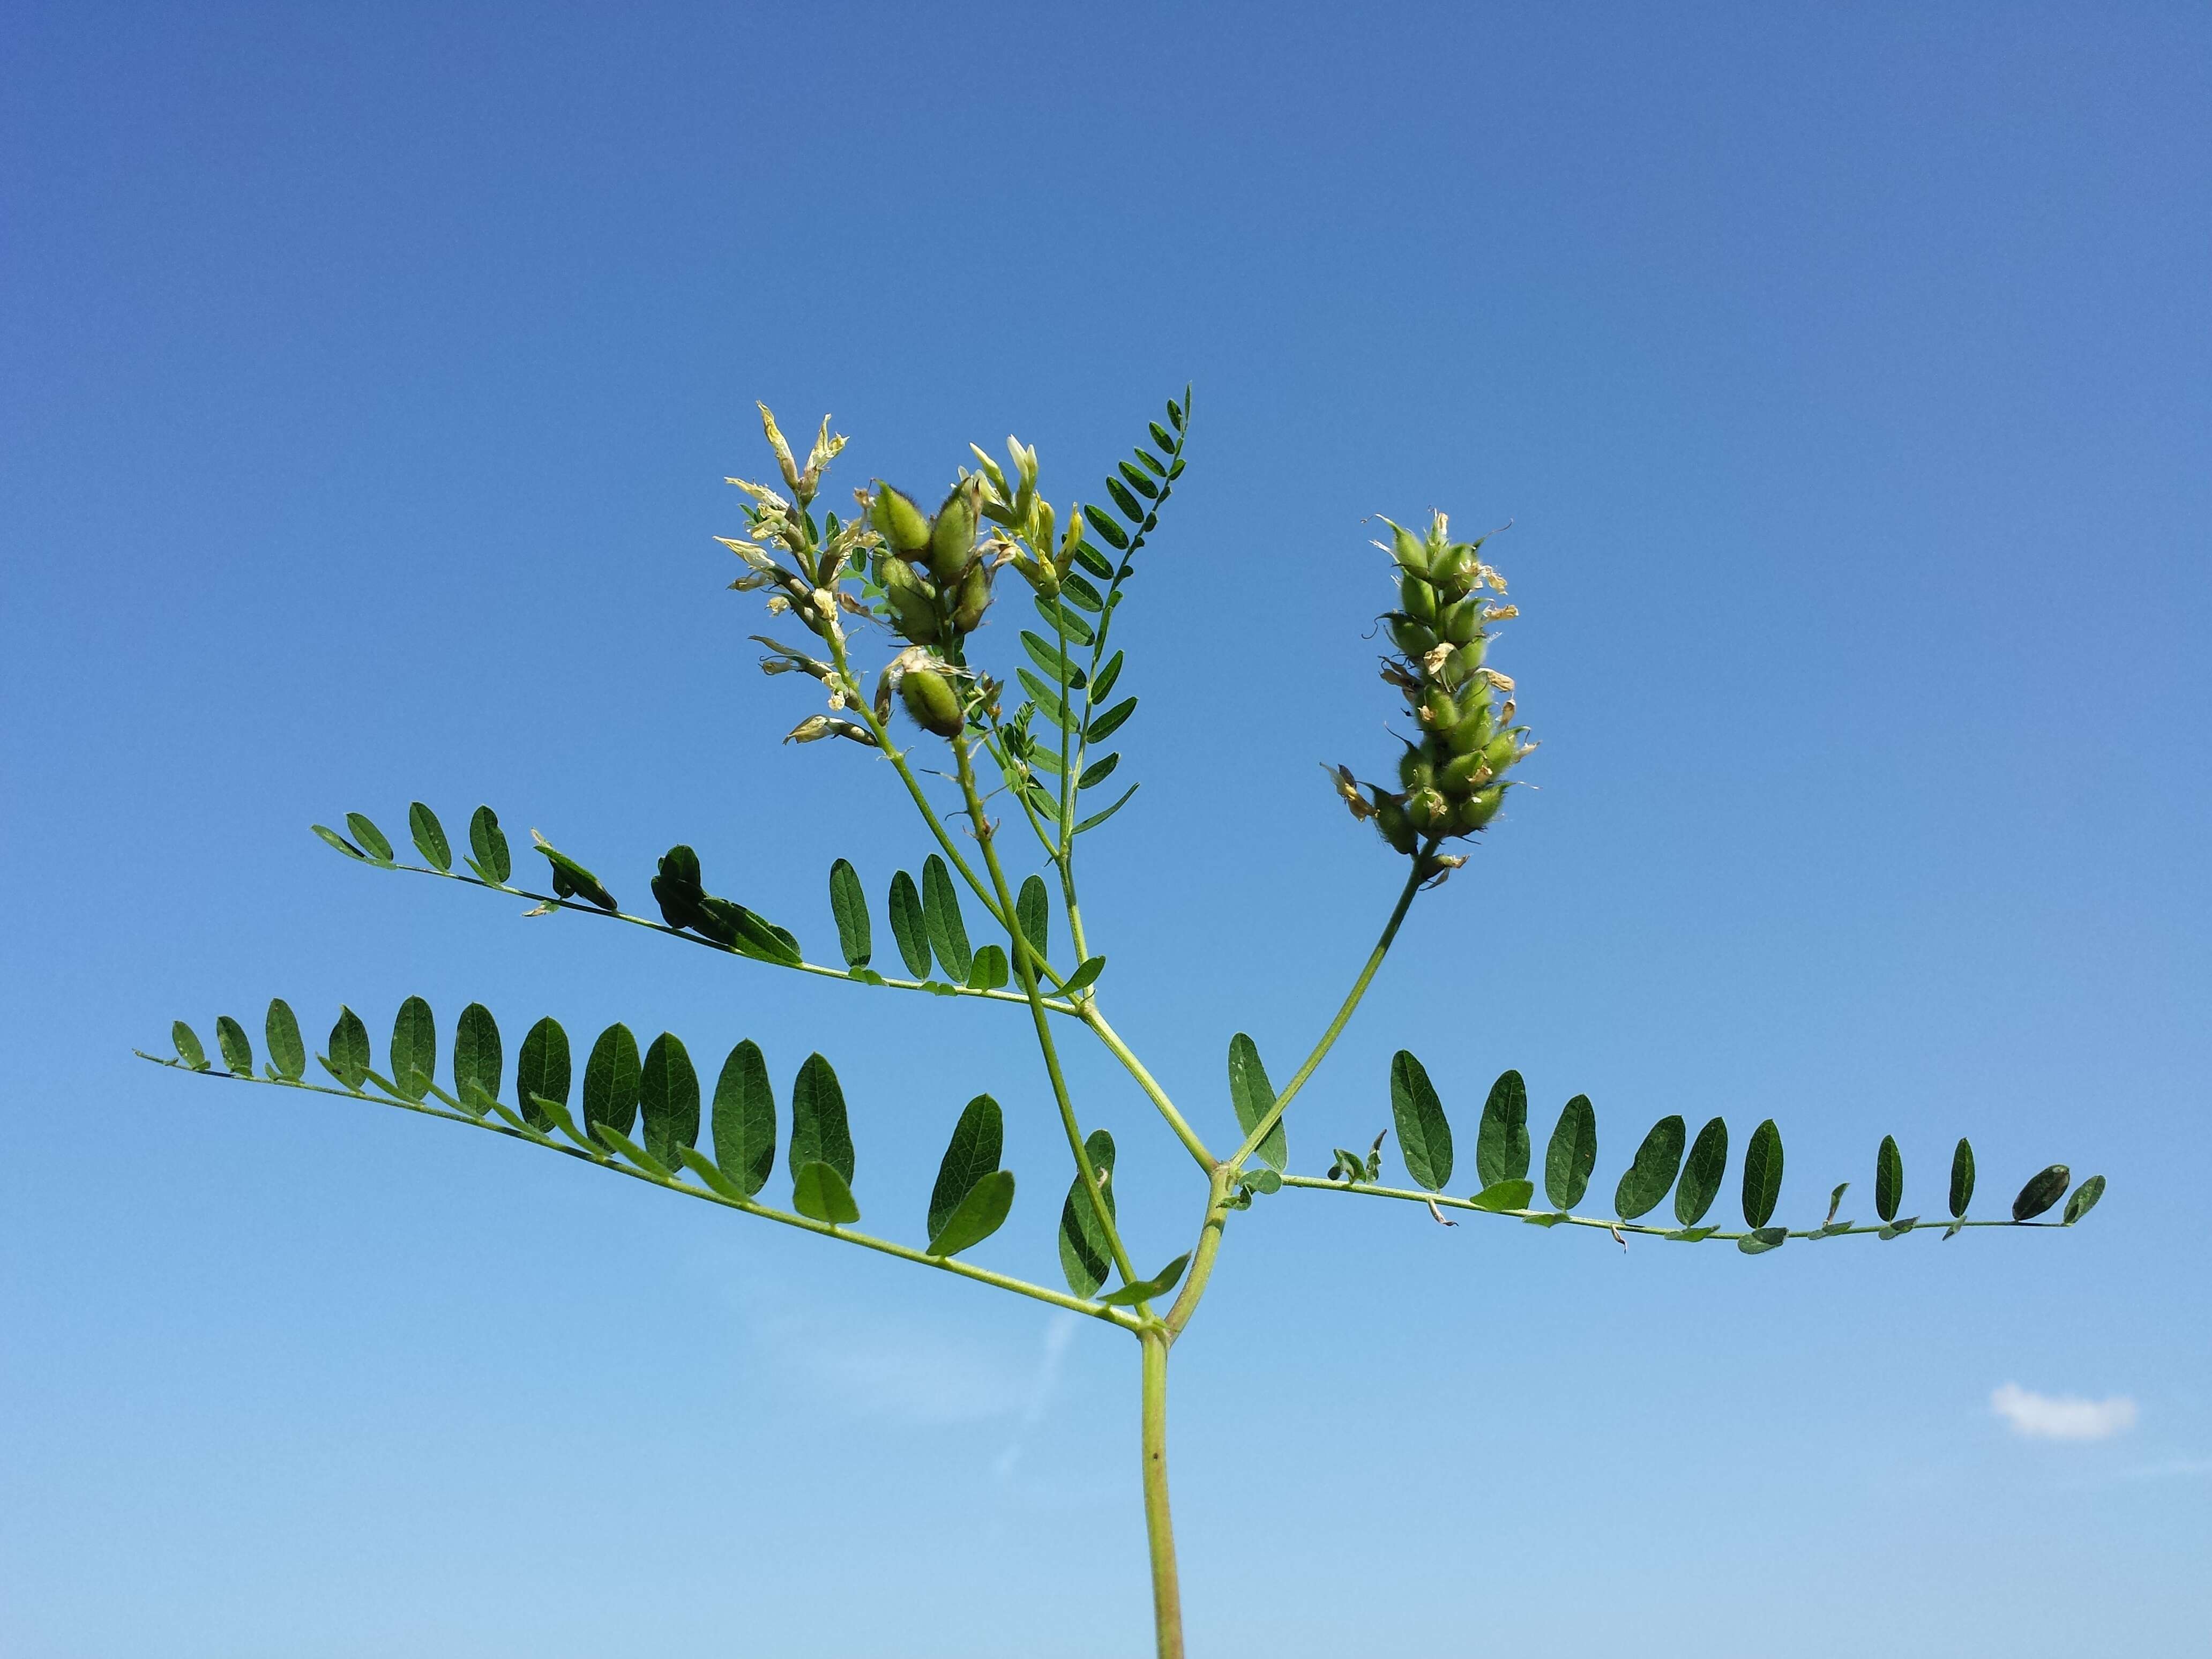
1452,779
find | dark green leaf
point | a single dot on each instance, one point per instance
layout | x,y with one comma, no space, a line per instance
1424,1137
188,1046
820,1132
1102,687
413,1049
1137,482
748,933
2085,1199
286,1050
1762,1175
1656,1162
429,837
745,1119
338,842
1513,1193
611,1077
557,1115
988,970
940,911
1898,1228
488,843
978,1139
1047,657
1702,1174
2045,1188
1836,1198
369,838
1085,1256
1046,699
668,1095
1253,1096
1962,1178
908,926
1097,818
1263,1179
821,1194
1097,518
237,1052
1501,1141
703,1166
1048,760
1175,414
1691,1235
1086,973
1107,724
1072,623
1145,1289
1097,772
850,906
1888,1178
477,1058
572,880
977,1216
1075,590
348,1059
1130,508
1033,915
1571,1155
1760,1240
1163,438
1089,557
540,1071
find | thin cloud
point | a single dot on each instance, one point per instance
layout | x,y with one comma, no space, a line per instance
2062,1417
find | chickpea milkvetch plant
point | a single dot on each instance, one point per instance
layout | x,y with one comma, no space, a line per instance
894,577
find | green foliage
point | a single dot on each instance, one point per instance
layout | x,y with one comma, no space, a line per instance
1572,1154
1425,1138
820,1132
1253,1098
1501,1143
1653,1170
1086,1256
744,1118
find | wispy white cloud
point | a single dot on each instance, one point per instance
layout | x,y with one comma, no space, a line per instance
2062,1417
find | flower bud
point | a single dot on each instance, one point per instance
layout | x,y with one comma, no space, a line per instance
952,537
901,521
930,698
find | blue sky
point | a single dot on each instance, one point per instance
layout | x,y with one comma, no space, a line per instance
1842,375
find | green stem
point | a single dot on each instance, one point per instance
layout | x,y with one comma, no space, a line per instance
1561,1218
1026,968
1201,1256
1419,873
607,1161
1159,1524
1086,1010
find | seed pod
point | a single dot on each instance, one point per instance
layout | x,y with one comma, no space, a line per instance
1460,621
975,597
1410,551
952,537
1438,712
1428,812
1499,751
1478,810
914,606
930,698
1414,639
901,521
1390,820
1472,735
1417,599
1462,775
1470,657
1415,770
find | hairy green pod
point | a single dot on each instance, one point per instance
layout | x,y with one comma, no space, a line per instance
1390,820
1499,752
1439,709
975,597
900,520
1469,657
1411,552
1428,812
1415,770
1477,809
952,537
1472,735
930,698
1462,772
1417,599
1414,639
1460,621
912,605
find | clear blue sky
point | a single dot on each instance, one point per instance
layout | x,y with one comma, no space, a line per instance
370,378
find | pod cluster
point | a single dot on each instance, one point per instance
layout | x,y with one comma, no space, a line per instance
1453,776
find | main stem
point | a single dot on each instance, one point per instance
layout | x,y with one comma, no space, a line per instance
1159,1526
